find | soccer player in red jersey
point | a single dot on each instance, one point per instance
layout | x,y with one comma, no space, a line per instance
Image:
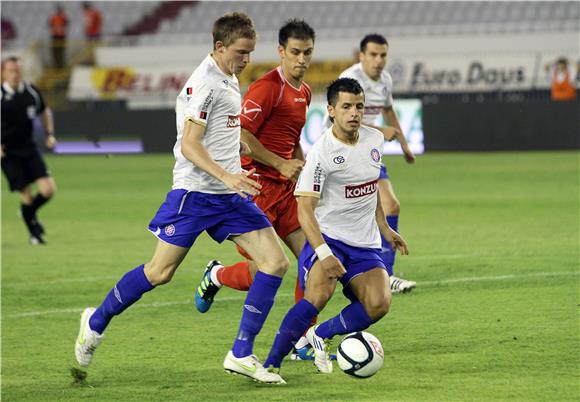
273,113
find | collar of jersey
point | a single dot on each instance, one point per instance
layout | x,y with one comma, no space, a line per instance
10,90
218,67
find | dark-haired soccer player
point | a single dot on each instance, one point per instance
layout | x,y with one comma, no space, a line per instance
273,114
377,83
340,212
209,194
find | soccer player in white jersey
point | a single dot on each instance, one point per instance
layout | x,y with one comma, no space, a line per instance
340,213
377,83
210,193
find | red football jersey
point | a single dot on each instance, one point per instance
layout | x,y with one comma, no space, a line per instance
275,112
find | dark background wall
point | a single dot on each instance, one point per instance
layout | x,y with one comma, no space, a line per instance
500,125
539,124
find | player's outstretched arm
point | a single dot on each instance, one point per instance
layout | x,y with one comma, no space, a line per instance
48,124
392,120
288,168
193,149
396,240
329,263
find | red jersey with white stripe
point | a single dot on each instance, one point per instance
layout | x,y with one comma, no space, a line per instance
275,112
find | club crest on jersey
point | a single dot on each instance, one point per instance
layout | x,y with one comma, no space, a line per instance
338,159
360,190
375,155
233,121
169,230
251,110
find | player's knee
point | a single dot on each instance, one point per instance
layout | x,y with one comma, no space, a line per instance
276,265
319,298
48,190
377,308
159,274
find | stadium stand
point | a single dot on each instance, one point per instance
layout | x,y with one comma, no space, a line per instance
422,18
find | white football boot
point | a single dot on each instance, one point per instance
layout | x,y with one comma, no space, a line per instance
251,367
399,285
88,340
321,351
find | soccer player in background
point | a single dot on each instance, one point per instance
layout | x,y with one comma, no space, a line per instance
377,83
209,194
22,163
273,113
340,212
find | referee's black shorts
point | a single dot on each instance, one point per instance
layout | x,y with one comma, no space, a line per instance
23,169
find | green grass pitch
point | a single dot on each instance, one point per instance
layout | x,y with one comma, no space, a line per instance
494,241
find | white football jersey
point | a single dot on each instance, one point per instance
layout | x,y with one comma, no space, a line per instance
210,98
345,178
378,94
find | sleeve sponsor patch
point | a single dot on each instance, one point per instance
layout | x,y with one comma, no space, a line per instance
251,110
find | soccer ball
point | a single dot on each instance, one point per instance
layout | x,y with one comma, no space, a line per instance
360,354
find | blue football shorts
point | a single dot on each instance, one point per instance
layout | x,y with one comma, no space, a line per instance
186,214
356,260
383,174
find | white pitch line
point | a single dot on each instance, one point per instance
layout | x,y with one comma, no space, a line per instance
242,295
82,279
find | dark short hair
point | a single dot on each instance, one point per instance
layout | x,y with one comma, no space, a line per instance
349,85
12,59
232,26
297,29
372,38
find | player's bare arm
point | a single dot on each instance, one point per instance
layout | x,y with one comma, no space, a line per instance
298,153
392,121
396,240
288,168
193,150
48,124
330,264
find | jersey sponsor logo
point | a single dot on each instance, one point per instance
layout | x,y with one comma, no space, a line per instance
298,100
169,230
233,121
360,190
251,110
373,109
31,112
375,155
207,101
317,175
338,159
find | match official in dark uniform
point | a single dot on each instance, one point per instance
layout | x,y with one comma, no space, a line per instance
22,163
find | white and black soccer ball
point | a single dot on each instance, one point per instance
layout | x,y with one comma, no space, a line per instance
360,354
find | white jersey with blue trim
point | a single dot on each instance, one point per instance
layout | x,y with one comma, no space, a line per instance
378,94
212,99
345,178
